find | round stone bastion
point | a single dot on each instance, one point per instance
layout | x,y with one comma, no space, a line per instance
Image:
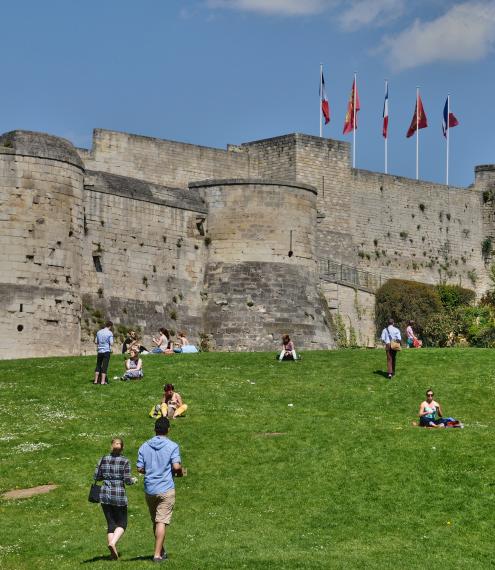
261,272
41,185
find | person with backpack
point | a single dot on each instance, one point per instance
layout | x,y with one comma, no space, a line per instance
391,339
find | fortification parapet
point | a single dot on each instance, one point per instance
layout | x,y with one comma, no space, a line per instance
41,182
485,175
261,274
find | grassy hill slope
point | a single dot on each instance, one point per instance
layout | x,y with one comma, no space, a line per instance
347,483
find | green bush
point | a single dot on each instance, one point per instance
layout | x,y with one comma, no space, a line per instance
406,300
453,296
478,325
442,329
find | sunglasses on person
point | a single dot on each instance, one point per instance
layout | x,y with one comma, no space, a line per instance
429,395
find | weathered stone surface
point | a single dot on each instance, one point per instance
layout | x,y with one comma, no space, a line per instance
222,243
41,145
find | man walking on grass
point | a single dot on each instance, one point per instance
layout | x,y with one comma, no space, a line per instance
158,460
103,341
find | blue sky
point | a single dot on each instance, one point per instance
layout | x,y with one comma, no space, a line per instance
214,72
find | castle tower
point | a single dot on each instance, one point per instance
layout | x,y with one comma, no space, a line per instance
41,185
261,274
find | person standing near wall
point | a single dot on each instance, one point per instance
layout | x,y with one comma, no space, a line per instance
158,460
104,342
391,339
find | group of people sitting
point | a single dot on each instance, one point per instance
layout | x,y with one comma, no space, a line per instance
164,344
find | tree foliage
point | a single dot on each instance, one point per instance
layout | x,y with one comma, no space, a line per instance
404,300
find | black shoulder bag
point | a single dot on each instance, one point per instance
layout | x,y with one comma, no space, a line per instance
95,490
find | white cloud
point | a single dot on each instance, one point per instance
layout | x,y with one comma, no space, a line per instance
361,13
355,13
280,7
466,32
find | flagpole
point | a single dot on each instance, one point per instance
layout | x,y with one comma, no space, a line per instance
448,134
321,99
417,133
354,123
386,138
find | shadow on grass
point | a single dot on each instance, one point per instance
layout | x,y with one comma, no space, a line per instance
97,559
381,373
109,559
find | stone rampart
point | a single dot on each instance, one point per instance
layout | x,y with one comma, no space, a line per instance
168,163
153,233
41,184
143,256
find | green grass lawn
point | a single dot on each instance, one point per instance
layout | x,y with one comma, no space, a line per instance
348,484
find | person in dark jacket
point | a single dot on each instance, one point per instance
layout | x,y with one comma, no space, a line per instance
115,471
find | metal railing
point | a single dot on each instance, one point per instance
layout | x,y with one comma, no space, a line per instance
348,275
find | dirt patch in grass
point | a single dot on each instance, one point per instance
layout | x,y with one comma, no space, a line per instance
31,492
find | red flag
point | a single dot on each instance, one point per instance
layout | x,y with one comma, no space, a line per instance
325,108
419,118
352,110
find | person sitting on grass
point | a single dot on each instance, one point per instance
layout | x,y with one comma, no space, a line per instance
182,345
172,405
133,366
161,341
288,350
132,340
431,415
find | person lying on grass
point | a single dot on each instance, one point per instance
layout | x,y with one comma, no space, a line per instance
430,409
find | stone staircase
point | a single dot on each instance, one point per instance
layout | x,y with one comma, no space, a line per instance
348,298
334,272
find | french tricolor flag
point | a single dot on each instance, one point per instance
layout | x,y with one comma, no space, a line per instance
385,113
449,119
325,107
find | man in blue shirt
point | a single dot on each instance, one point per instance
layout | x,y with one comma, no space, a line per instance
159,459
391,339
103,341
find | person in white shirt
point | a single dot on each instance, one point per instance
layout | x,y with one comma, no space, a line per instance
389,334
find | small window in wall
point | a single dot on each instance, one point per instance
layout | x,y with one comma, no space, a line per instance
20,328
97,263
20,308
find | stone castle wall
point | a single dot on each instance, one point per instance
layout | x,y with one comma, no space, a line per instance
143,256
155,233
168,163
41,211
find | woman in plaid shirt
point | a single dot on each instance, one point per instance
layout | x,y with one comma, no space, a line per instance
115,471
